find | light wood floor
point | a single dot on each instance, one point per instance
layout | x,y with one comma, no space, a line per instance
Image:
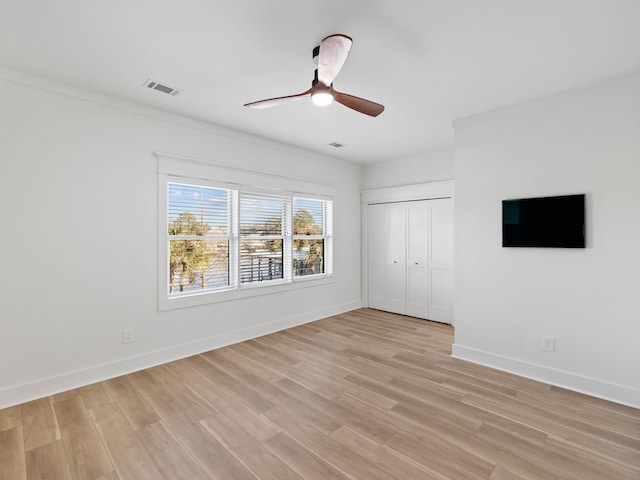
364,395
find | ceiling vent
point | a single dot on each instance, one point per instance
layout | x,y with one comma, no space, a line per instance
162,88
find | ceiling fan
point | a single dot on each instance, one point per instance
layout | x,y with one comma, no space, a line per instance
331,55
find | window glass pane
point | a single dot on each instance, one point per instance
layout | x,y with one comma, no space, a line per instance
308,216
261,214
260,260
196,265
197,210
308,257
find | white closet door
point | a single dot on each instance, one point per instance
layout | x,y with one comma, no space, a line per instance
441,260
410,258
396,258
377,255
417,259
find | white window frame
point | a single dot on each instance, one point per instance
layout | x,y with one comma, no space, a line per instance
326,236
237,290
230,237
285,235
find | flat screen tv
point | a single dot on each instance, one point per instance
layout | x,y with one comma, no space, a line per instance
555,222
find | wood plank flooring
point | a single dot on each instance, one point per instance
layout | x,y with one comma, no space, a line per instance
363,395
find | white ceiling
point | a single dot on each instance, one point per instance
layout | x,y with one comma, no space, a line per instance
428,61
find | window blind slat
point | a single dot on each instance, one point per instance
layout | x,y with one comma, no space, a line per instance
308,216
197,217
262,259
312,248
197,210
262,214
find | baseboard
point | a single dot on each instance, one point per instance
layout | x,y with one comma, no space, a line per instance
43,387
571,381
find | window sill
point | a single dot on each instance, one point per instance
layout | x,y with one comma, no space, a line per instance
248,291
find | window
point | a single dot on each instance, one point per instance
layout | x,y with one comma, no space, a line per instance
230,238
200,238
264,237
311,240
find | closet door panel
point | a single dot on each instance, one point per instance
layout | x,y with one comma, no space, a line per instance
417,232
377,234
377,255
396,234
377,286
417,292
441,261
441,297
396,289
417,258
396,258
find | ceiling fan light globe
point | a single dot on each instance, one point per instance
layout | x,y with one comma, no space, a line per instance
322,98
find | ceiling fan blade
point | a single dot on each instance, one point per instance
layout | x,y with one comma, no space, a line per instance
334,51
272,102
358,104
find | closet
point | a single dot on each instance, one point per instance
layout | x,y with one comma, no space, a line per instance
410,258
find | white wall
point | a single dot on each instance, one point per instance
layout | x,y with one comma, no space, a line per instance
79,239
584,141
431,167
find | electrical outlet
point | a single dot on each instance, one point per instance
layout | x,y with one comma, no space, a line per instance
549,344
128,335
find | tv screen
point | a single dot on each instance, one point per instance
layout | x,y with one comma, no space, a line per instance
544,222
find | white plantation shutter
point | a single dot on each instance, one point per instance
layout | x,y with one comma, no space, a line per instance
312,241
262,215
315,209
264,237
210,206
199,228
